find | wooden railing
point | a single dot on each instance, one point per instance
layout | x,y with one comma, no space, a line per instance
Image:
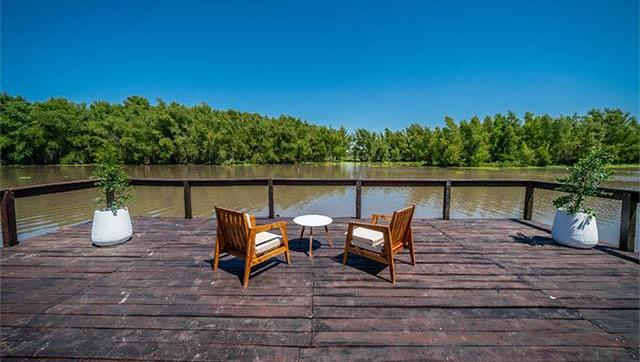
629,198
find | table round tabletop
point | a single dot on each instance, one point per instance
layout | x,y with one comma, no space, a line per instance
313,220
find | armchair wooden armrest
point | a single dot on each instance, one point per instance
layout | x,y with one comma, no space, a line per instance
254,230
381,228
376,217
266,227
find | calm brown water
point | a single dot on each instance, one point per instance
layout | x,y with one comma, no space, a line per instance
40,214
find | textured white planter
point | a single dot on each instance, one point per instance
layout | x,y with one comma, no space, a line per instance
577,231
109,229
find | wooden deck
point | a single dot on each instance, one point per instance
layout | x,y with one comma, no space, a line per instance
488,290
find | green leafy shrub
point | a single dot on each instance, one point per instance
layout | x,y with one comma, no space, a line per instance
112,180
583,181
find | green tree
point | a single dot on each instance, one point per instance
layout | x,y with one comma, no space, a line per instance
418,143
60,131
450,146
362,145
475,142
505,139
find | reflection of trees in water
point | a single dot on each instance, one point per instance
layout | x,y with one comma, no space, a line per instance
157,201
431,196
13,176
486,202
42,213
289,200
168,201
329,200
246,198
29,175
428,200
465,201
250,171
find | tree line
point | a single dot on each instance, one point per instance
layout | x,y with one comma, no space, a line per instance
58,131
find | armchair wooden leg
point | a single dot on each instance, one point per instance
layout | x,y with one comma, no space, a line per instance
247,272
412,250
285,239
391,270
347,246
216,257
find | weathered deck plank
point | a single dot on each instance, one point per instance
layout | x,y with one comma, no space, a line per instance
481,290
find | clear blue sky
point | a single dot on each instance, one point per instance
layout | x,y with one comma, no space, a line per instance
371,64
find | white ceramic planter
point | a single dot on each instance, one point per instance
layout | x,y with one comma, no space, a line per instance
109,229
577,231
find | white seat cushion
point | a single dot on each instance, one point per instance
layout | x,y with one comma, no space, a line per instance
372,236
368,239
266,241
367,245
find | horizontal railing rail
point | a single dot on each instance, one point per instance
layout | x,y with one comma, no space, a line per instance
629,198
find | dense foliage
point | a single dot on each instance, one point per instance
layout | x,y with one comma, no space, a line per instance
60,131
582,182
112,180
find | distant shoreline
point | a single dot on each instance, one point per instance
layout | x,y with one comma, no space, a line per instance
372,164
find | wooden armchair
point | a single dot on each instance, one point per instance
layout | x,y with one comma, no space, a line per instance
238,234
382,242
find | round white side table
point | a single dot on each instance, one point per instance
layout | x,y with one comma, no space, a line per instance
312,221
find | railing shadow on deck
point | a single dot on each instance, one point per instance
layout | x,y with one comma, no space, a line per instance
628,212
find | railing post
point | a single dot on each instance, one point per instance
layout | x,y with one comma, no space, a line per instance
186,188
272,208
8,215
628,222
446,201
358,199
528,202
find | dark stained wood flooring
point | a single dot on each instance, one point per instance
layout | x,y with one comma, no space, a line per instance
490,290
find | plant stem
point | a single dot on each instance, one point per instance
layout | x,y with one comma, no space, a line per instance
110,198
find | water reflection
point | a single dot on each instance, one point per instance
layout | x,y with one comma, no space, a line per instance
47,212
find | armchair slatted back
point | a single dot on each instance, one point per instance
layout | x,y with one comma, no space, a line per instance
232,230
399,226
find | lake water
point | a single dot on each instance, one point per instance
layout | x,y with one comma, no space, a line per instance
40,214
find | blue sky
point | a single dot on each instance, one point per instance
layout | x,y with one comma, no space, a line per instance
371,64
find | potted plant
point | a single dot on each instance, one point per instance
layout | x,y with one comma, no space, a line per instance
574,224
111,222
